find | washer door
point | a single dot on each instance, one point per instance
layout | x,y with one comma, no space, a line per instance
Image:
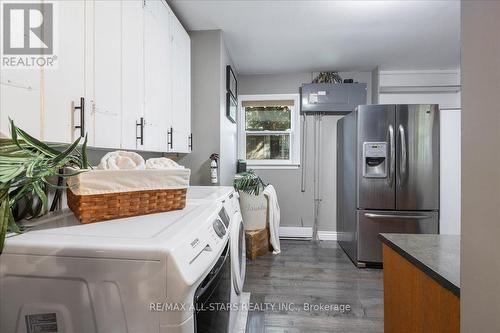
238,252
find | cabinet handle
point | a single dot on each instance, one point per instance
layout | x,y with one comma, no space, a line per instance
140,124
82,117
191,142
170,138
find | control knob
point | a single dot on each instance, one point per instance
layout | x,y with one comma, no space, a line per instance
219,228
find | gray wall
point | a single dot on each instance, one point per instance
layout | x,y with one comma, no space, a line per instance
297,208
228,130
212,132
480,256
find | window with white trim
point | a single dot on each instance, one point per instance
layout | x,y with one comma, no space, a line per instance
268,128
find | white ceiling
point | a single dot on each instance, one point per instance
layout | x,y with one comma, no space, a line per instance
295,36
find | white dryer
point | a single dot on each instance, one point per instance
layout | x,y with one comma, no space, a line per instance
231,216
138,275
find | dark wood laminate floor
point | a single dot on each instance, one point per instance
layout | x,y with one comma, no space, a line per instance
310,274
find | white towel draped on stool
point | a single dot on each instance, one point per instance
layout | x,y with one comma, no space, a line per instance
274,217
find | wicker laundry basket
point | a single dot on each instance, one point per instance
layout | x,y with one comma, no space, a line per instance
100,195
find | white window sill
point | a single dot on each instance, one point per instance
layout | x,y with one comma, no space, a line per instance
273,166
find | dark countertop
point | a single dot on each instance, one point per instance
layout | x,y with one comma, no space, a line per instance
436,255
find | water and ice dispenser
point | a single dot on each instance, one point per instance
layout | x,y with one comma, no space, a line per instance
375,159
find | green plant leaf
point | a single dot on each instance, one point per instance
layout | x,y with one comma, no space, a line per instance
8,176
4,221
249,182
4,191
31,141
12,226
19,193
66,152
26,168
35,209
85,163
42,196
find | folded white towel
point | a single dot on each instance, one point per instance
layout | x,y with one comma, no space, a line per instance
162,163
121,160
273,217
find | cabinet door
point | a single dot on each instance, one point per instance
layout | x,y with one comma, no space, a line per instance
106,74
156,75
132,72
65,85
20,100
181,88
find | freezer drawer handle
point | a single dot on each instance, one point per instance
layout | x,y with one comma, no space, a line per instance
389,216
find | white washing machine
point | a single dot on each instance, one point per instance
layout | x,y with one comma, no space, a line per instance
138,275
231,216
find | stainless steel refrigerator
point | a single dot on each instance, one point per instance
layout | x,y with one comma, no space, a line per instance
387,176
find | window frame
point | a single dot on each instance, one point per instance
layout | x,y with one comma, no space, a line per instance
294,132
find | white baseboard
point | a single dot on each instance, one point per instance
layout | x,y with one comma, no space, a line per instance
295,232
306,232
327,235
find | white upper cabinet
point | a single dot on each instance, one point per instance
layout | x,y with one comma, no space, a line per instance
20,97
181,89
122,77
105,83
132,74
156,79
64,86
156,76
42,101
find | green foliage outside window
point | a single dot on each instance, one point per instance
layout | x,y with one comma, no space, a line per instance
271,118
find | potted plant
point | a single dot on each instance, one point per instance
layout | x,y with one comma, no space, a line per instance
253,203
27,168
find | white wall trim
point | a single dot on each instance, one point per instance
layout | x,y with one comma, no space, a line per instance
295,232
424,71
327,235
306,232
435,79
273,167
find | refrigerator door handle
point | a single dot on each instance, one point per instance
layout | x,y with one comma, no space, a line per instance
392,154
390,216
402,167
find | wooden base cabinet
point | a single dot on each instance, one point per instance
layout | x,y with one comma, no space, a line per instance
413,301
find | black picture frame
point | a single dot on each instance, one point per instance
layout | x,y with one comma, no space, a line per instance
231,107
231,82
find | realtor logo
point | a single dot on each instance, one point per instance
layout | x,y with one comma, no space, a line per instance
28,28
28,35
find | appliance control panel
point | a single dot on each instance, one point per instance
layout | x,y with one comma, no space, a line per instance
223,215
219,228
375,159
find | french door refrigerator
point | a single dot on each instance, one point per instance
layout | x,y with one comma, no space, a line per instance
387,176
